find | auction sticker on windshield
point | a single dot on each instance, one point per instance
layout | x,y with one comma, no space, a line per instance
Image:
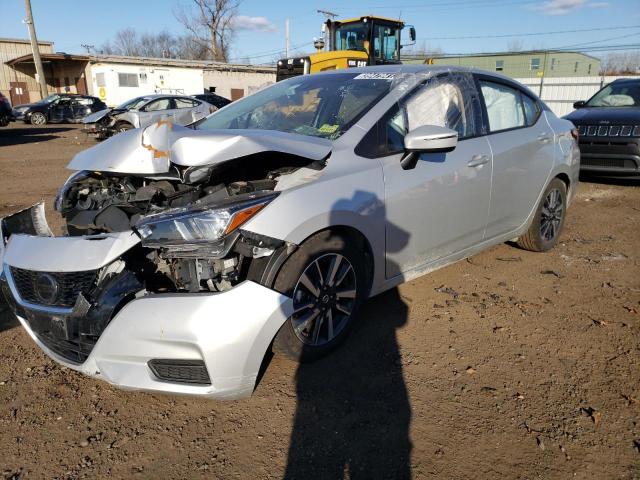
375,76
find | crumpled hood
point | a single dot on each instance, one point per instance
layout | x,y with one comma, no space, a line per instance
94,117
152,150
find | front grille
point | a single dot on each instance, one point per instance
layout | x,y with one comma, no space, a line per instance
36,287
609,131
607,162
75,350
180,371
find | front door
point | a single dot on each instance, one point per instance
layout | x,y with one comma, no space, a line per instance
441,206
18,93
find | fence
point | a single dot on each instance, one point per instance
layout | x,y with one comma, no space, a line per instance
560,93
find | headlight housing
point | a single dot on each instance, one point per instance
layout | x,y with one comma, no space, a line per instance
199,229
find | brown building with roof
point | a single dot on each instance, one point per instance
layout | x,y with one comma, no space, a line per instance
63,72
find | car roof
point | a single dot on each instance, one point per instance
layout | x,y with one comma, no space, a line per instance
418,69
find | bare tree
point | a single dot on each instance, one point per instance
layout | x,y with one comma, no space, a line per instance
620,63
157,45
211,23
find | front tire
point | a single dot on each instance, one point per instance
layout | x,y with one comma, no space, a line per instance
123,127
38,119
548,221
326,278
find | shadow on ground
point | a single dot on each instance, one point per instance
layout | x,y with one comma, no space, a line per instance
27,134
353,413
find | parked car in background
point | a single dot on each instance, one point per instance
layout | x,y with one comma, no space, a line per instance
213,99
143,111
191,251
58,108
5,111
609,128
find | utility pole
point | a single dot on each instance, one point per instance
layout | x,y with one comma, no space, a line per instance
40,78
88,48
286,34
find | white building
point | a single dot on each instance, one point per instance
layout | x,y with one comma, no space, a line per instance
116,79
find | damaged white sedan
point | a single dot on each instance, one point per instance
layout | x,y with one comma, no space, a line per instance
189,253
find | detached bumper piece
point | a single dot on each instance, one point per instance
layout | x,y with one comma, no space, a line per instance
180,371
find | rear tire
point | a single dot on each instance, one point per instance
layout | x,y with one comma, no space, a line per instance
38,119
548,221
326,278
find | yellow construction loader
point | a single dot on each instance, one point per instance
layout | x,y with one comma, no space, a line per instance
356,42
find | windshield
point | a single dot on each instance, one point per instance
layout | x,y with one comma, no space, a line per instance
49,99
316,105
353,36
133,104
622,94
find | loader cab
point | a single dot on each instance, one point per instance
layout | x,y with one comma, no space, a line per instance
378,37
356,42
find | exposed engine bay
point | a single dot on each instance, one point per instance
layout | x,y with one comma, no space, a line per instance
94,203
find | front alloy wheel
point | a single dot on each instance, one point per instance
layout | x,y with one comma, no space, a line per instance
323,299
38,118
326,279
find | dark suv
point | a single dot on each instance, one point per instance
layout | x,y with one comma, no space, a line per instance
5,111
59,107
609,128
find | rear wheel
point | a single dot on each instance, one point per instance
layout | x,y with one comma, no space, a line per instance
38,118
326,279
548,221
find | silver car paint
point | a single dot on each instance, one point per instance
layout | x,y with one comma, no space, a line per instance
374,196
139,118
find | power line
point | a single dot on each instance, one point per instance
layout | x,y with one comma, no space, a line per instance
598,48
532,34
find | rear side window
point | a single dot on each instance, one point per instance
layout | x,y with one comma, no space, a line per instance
531,109
504,106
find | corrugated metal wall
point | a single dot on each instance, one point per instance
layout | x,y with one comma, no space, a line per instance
10,50
561,92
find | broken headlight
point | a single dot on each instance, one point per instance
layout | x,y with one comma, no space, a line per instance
197,226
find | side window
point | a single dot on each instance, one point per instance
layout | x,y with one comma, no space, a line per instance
531,109
448,101
385,41
160,104
84,101
504,107
184,103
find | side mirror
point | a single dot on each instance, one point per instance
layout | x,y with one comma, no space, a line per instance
579,104
427,139
412,34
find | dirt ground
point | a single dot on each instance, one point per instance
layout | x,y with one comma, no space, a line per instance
510,364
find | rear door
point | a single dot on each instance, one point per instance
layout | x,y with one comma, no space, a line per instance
187,110
523,151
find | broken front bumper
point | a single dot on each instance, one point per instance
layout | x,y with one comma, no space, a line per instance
209,344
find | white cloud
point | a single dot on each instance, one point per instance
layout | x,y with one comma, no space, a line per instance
564,7
260,24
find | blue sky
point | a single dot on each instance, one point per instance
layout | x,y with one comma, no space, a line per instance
73,22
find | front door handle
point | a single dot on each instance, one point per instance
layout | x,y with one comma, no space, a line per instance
544,138
478,160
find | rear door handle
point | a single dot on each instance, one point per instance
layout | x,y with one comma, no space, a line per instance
478,160
544,138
